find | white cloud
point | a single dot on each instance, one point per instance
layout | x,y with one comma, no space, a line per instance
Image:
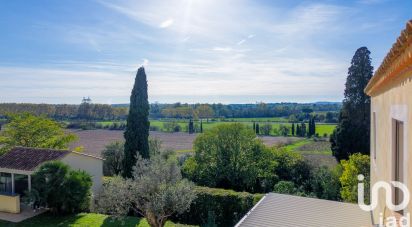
223,49
285,57
145,62
166,23
241,42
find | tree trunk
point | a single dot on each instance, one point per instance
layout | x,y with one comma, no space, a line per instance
153,222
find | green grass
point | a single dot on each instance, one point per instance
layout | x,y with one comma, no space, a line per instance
321,129
83,220
294,146
317,152
258,119
310,146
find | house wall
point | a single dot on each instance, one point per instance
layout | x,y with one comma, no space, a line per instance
10,204
392,102
91,165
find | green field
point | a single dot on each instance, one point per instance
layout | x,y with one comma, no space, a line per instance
82,220
321,129
317,152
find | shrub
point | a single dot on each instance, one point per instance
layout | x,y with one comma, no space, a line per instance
266,129
223,157
325,183
61,189
156,191
285,187
357,164
224,207
113,155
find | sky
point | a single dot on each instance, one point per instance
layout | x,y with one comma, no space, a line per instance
195,51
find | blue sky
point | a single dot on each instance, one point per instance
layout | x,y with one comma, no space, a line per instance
228,51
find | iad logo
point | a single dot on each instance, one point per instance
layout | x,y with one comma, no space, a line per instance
390,221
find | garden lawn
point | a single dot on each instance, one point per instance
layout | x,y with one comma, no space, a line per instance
83,220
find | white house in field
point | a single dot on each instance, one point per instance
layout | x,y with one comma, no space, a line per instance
17,166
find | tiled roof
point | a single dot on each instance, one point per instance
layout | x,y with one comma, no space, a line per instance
396,61
27,159
294,211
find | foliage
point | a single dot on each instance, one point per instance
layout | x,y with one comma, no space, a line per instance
113,155
284,130
61,189
353,130
137,130
156,191
84,220
224,207
294,111
325,183
357,164
312,127
230,156
204,111
27,130
155,146
285,187
266,129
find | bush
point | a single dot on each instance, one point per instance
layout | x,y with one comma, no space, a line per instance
325,183
224,207
285,187
113,155
61,189
223,157
266,129
357,164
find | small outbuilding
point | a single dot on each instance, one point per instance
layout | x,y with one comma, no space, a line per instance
17,166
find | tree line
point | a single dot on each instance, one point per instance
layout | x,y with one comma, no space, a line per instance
94,112
85,111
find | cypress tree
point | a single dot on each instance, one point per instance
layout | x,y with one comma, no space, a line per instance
254,126
352,132
303,130
298,130
201,126
137,129
191,127
257,129
293,129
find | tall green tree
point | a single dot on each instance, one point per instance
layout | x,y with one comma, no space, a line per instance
293,129
137,130
353,130
27,130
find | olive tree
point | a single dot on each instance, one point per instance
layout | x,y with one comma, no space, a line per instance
113,155
156,191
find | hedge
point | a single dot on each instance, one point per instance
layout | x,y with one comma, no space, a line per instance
218,207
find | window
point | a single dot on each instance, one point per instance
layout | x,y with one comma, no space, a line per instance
5,183
398,152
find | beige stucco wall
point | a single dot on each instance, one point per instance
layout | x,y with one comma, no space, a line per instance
392,102
91,165
10,204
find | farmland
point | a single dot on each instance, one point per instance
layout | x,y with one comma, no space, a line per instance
160,124
94,141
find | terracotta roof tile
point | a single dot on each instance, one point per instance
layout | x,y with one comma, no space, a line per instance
398,59
28,159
